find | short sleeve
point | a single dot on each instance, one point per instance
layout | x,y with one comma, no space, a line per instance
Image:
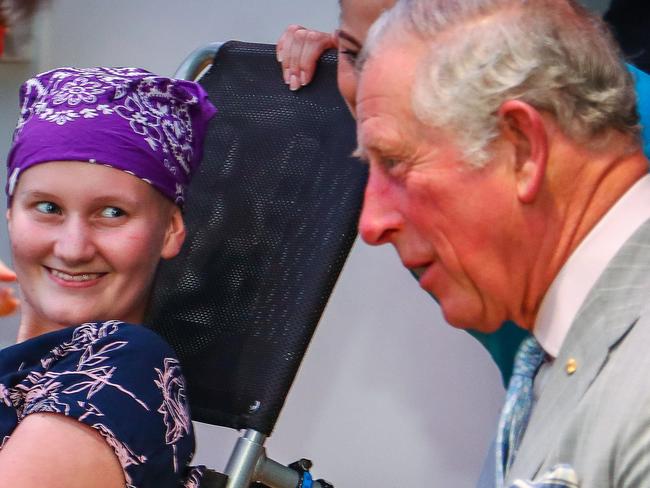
125,382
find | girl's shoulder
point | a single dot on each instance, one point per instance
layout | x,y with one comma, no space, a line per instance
123,380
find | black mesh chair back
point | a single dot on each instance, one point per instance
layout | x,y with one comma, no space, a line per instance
271,217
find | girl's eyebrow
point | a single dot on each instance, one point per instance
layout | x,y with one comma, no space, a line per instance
101,199
349,38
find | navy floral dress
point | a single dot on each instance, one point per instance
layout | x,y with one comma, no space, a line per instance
120,379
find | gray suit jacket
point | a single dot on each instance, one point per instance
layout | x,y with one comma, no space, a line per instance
598,419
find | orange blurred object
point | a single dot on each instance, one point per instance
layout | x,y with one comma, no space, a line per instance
3,32
8,302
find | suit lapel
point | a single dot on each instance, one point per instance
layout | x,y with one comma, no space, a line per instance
611,308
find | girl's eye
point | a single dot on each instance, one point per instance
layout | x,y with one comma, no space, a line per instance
112,212
48,208
350,54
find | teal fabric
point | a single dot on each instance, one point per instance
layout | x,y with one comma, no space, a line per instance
503,344
643,101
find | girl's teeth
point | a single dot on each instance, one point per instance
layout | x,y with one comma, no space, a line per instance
80,277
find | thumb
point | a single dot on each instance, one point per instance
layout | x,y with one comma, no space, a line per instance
6,273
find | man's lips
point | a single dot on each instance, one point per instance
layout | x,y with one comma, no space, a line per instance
418,266
419,270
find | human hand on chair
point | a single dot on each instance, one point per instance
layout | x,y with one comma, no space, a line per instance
298,50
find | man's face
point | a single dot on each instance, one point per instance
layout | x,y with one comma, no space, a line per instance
450,223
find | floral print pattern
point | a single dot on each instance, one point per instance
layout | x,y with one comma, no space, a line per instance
174,405
96,373
78,90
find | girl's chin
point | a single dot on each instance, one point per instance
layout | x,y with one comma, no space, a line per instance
54,319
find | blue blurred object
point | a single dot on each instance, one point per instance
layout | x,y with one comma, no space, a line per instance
643,100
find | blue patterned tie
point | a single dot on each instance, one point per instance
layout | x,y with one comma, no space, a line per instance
516,410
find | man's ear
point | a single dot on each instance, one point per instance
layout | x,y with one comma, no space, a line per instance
174,235
524,127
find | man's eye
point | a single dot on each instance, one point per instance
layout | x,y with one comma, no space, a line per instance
112,212
390,163
48,208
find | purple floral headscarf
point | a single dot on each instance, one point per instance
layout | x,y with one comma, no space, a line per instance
126,118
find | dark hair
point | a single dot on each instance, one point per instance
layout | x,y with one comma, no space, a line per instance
23,9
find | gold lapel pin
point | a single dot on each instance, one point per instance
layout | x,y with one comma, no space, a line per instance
571,366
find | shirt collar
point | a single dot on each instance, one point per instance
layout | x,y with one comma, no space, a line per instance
580,272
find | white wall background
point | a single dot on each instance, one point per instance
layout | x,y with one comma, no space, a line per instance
388,395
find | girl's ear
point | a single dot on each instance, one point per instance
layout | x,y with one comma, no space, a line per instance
174,235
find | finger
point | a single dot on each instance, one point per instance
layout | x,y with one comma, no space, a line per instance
316,43
285,38
292,72
6,273
284,46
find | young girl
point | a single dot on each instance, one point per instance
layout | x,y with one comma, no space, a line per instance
97,175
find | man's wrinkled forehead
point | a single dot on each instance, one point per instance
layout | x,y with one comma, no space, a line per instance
384,96
389,72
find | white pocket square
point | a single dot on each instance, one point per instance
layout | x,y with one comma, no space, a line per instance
559,476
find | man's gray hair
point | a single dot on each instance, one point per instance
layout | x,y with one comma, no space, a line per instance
551,54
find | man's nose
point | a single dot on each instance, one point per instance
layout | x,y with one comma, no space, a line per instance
75,243
380,218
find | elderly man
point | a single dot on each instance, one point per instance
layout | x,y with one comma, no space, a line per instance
505,167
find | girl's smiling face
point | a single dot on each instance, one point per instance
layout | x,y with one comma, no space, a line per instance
86,240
